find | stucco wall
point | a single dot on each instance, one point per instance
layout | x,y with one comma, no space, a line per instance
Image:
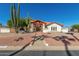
65,30
32,28
4,30
48,29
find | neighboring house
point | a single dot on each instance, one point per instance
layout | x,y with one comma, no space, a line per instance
7,30
4,30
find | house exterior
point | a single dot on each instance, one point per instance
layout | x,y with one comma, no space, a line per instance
45,27
36,25
52,27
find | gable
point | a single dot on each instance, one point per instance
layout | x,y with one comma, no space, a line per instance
54,24
38,22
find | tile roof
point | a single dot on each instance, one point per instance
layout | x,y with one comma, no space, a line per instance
46,23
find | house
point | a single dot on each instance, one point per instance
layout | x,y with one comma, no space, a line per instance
37,25
52,27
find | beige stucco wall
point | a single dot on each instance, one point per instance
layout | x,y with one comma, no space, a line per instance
32,28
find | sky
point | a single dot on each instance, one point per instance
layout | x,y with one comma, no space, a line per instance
63,13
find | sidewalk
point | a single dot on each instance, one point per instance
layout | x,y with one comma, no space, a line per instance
51,48
11,48
38,48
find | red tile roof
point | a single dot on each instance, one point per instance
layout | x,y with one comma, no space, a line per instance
46,23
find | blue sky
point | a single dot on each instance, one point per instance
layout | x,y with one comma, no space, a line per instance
63,13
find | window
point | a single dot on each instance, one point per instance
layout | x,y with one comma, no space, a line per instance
54,28
46,27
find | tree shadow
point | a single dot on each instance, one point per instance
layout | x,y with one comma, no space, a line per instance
14,53
44,53
19,38
46,36
73,36
36,37
71,39
63,39
60,38
66,43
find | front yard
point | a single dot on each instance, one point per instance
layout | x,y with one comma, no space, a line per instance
49,38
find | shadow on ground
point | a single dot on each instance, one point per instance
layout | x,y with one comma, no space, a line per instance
65,40
73,36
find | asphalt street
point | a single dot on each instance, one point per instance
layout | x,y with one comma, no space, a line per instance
42,53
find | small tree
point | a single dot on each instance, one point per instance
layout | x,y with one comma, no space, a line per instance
21,23
9,24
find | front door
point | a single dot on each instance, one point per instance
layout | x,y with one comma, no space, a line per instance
38,28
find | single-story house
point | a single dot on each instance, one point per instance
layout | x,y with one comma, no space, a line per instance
52,27
45,27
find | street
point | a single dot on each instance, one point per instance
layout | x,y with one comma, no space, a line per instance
41,53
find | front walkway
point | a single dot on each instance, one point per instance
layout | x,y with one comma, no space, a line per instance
38,43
